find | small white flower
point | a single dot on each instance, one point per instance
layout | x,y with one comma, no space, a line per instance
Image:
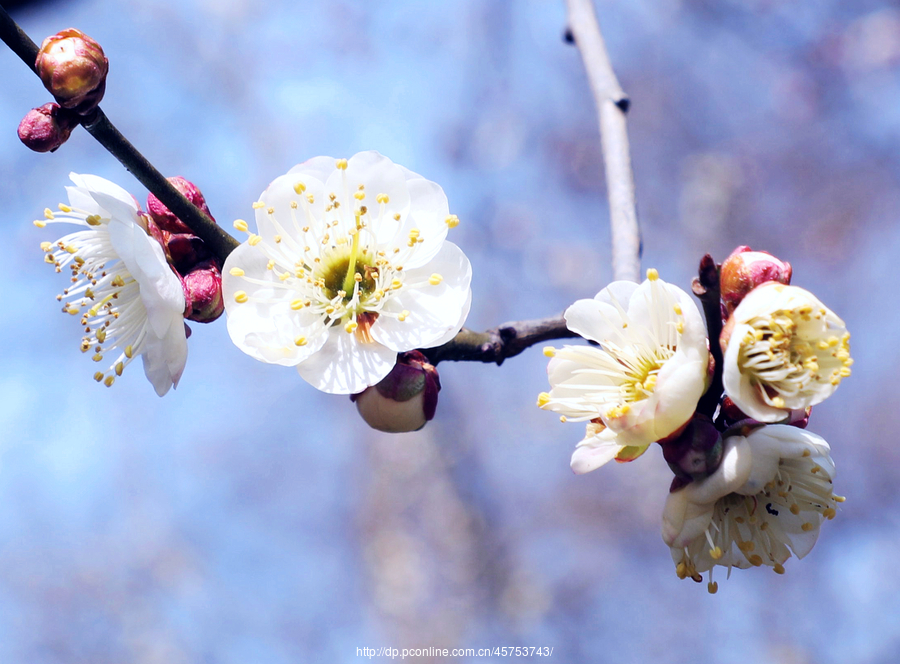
787,351
643,383
767,499
127,296
349,267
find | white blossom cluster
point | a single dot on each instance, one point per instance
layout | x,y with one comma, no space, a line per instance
752,486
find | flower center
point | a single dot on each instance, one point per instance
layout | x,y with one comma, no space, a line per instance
340,270
787,351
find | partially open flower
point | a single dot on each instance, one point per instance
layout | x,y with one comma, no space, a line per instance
768,499
405,399
73,68
643,383
349,267
746,269
45,128
785,351
129,301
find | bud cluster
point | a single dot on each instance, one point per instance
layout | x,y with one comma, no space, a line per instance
198,269
73,68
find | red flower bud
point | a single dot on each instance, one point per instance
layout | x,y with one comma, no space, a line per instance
165,218
746,269
185,251
203,292
73,68
45,128
405,399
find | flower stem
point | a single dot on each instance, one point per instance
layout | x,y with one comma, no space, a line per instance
706,287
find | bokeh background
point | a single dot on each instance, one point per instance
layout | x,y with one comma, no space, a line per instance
248,519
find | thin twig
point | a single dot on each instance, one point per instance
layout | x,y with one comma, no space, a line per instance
99,126
499,343
612,105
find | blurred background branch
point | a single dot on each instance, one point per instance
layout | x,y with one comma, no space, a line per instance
612,106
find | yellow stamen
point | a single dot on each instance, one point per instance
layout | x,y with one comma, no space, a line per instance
236,272
241,297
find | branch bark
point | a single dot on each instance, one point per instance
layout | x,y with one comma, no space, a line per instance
499,343
612,105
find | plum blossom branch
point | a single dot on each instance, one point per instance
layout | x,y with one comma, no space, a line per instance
100,127
491,346
499,343
612,105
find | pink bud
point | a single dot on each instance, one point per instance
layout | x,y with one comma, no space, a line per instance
745,269
45,128
203,292
185,251
73,68
405,399
165,218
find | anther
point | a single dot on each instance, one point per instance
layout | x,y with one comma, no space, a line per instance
452,221
93,220
300,341
236,272
64,208
258,204
543,399
341,164
549,351
382,198
109,381
435,279
254,240
299,188
241,225
48,214
241,297
652,274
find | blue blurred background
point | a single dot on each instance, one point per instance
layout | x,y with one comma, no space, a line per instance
248,519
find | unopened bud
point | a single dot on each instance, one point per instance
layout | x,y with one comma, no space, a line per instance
696,453
745,269
405,399
185,251
73,68
165,218
203,293
45,128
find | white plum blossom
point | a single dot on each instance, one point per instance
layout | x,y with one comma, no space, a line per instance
787,351
348,267
767,499
642,383
129,301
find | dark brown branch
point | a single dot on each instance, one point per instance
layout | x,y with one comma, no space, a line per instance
99,126
219,242
706,288
499,343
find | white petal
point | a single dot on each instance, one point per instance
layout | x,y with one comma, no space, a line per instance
435,311
595,451
345,366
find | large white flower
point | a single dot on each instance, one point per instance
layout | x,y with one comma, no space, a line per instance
643,382
787,351
349,267
767,498
130,302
